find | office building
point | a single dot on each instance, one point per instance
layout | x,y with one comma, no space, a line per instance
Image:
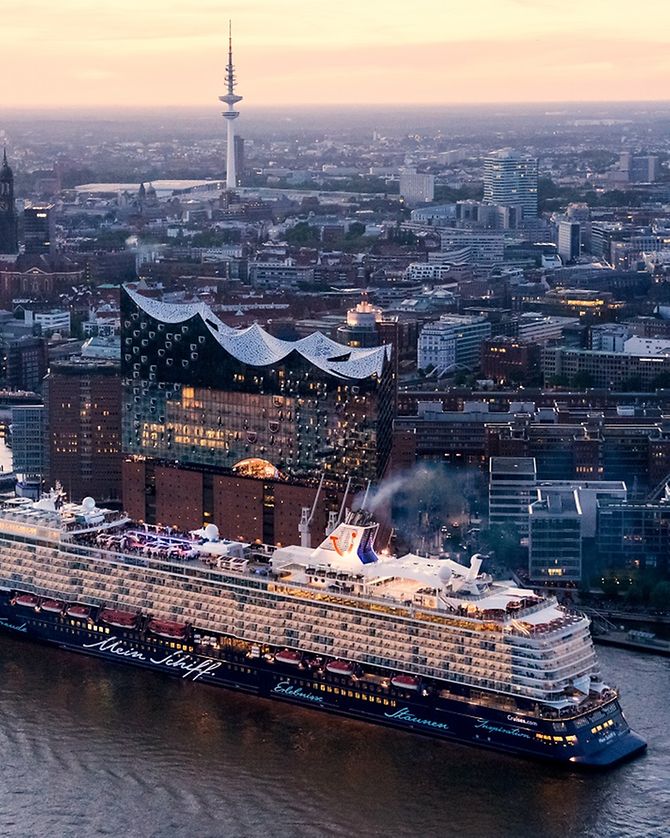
470,247
616,370
83,404
555,537
436,348
510,360
50,321
638,168
417,188
26,363
245,423
609,337
29,448
510,179
512,486
569,240
468,333
635,533
8,222
38,230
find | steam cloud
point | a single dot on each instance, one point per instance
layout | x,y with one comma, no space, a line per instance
418,502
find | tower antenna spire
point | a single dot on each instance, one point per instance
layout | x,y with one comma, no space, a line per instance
230,115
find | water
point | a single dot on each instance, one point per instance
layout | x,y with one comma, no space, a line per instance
91,748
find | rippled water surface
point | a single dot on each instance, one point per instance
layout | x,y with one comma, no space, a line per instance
89,748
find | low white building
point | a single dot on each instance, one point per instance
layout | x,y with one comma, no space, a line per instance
49,321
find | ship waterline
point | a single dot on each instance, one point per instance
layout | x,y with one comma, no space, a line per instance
430,646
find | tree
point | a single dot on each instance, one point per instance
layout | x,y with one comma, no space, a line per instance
503,542
582,380
302,234
660,596
661,381
610,586
356,230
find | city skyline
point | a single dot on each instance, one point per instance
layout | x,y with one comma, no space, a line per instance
510,51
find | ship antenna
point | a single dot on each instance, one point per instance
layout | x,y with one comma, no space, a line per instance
316,498
344,500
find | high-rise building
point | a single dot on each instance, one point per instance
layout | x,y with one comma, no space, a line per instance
510,179
417,188
569,240
454,340
635,532
512,482
8,229
230,98
555,537
29,448
83,402
242,423
639,168
38,229
26,363
436,348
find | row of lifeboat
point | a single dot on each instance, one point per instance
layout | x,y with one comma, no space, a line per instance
346,668
113,617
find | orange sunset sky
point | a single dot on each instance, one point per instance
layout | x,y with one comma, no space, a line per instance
164,52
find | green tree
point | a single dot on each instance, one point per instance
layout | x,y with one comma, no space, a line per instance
582,380
302,235
610,585
356,230
660,596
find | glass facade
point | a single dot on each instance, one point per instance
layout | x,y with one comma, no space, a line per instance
188,400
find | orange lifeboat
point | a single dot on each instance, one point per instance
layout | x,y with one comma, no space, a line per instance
27,600
405,682
82,612
289,656
120,619
173,631
53,606
340,668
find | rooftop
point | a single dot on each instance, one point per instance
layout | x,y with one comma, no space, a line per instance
258,348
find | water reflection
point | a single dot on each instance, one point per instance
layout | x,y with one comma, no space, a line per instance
94,748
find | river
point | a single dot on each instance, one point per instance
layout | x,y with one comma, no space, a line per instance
90,748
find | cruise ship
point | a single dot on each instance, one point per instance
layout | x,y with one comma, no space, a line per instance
426,645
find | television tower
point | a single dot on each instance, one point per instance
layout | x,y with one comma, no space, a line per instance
231,99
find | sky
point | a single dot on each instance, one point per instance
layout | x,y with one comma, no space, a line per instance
70,53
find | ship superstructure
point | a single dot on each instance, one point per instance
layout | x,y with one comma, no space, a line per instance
408,641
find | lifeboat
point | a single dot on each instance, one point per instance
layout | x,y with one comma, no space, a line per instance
289,656
120,619
53,606
405,682
27,600
340,668
174,631
80,611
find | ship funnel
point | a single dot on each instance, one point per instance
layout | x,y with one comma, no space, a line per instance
350,545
